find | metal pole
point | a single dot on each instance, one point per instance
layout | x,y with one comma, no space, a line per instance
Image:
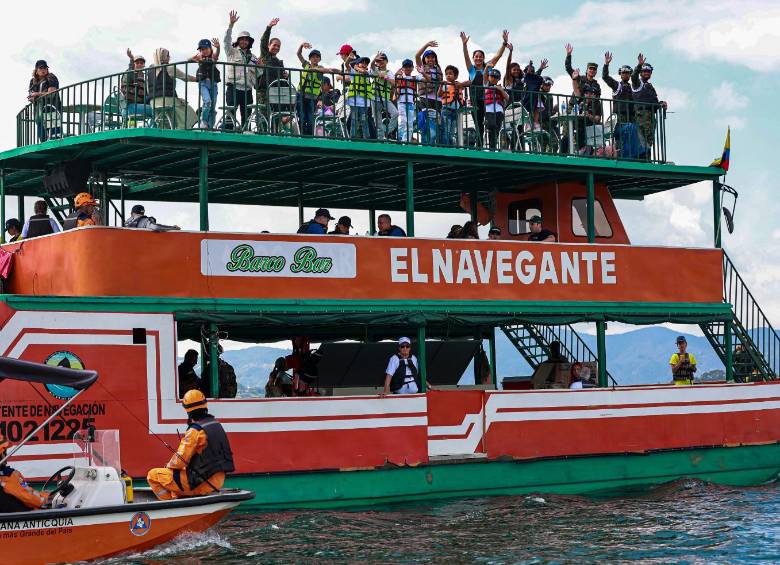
591,209
492,348
20,205
300,204
601,345
2,204
410,199
203,188
104,199
716,213
729,353
372,221
122,201
421,358
473,203
213,360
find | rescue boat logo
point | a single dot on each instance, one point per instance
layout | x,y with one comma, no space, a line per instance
140,524
63,359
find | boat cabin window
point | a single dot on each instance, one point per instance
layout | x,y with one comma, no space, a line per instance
579,218
520,212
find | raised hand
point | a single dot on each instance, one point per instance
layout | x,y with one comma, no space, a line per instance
215,42
505,36
432,44
575,74
568,48
273,22
510,47
607,58
641,59
464,38
233,17
543,65
306,45
129,53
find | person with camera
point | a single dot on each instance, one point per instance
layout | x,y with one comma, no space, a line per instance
683,363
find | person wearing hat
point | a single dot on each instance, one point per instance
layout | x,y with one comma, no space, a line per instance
590,73
428,91
621,91
494,233
85,212
537,232
382,100
317,225
42,92
139,220
132,85
347,54
683,363
310,87
643,91
14,229
15,494
342,227
204,457
40,223
402,375
406,88
240,73
495,97
208,76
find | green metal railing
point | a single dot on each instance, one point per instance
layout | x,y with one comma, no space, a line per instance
235,98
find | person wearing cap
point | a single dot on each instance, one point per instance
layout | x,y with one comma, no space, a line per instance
204,457
85,212
621,91
385,227
428,100
240,73
549,109
683,364
495,97
347,54
358,95
272,65
494,233
40,223
139,220
402,375
537,232
132,85
14,229
590,111
42,92
15,494
208,76
533,81
310,87
317,225
342,227
406,88
590,74
643,91
326,106
382,100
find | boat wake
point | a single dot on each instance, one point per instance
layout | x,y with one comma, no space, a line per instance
185,544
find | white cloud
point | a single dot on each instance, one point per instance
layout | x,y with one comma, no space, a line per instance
776,234
734,122
727,97
312,8
676,99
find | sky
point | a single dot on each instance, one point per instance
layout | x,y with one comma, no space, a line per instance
716,63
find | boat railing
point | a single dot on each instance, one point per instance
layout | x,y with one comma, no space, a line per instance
239,99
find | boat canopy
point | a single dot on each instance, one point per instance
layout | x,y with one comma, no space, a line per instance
17,370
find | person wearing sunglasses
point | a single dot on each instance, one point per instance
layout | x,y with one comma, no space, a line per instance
403,372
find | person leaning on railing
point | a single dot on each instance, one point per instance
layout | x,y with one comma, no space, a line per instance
161,90
42,93
240,74
590,110
428,101
382,101
133,87
310,87
273,66
626,133
208,77
645,92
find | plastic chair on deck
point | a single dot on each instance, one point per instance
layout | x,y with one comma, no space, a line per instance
282,98
49,122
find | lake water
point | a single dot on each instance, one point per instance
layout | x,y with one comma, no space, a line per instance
687,521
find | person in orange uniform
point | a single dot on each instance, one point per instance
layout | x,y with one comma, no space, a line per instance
85,213
204,456
15,495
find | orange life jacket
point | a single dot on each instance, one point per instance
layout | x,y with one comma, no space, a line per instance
450,92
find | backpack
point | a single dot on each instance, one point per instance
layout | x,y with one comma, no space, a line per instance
228,384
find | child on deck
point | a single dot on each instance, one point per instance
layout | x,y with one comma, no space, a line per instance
495,95
428,66
326,106
382,102
406,87
533,101
208,77
451,95
357,97
309,87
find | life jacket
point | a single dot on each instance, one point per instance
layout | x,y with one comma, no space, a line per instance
383,89
684,373
311,82
645,93
400,378
428,87
450,93
207,70
492,96
360,85
162,85
217,457
39,224
406,85
76,220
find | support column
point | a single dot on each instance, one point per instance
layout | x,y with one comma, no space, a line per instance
301,219
492,351
104,209
716,214
20,206
591,227
2,205
122,201
203,188
601,345
421,358
473,203
213,361
372,221
727,345
410,199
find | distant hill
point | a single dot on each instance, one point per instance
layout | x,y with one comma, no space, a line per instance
636,357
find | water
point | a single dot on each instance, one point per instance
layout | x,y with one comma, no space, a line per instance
687,521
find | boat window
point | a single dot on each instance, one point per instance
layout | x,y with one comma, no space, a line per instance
579,218
520,212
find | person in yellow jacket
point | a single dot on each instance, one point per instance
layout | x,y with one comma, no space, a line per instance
203,458
683,363
15,494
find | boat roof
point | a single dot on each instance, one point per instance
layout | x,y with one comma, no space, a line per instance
18,370
162,165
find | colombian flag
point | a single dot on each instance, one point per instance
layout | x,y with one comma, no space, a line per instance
723,161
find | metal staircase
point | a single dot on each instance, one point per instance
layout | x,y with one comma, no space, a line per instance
533,343
760,355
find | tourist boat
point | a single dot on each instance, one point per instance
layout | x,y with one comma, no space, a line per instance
93,511
119,301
